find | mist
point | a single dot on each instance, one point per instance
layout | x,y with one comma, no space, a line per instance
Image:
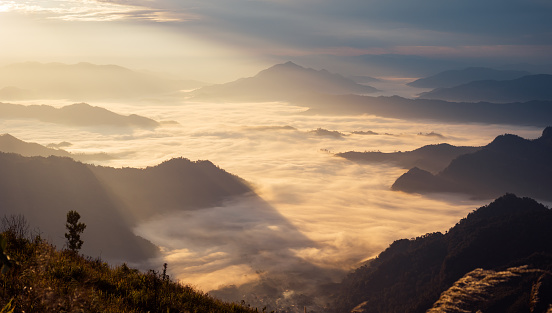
313,217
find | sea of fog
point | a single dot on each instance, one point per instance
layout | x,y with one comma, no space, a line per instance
313,210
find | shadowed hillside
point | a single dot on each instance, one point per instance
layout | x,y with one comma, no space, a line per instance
282,82
431,158
508,164
78,114
177,184
495,256
109,200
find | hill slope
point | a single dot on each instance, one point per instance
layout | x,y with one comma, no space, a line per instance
453,78
49,280
411,275
281,82
508,164
45,189
526,88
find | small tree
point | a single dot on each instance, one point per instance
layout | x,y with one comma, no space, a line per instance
74,229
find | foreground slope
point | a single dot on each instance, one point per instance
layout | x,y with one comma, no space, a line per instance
509,236
46,279
45,189
508,164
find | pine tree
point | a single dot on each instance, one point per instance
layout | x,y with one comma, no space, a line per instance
74,229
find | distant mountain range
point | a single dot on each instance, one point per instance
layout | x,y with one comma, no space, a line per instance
526,88
453,78
508,164
10,144
532,113
281,82
78,114
431,158
83,82
110,201
498,259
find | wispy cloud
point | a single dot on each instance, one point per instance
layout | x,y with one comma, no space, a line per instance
89,10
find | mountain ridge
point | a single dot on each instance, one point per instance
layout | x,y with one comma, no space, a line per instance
526,88
77,114
44,189
83,82
281,82
432,158
508,164
411,275
453,78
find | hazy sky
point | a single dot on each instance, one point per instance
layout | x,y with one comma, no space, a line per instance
219,40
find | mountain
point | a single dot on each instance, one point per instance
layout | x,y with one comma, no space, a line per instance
497,259
83,82
508,164
431,158
10,144
532,113
453,78
78,114
110,201
281,82
526,88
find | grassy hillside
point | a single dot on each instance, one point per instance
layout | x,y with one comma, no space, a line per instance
45,279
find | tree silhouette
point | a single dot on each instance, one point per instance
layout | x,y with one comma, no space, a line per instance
74,229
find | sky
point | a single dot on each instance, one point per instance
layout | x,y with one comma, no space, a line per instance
221,40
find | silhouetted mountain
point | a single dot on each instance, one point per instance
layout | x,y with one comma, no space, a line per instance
82,81
453,78
508,164
109,200
527,88
177,184
79,114
280,83
497,259
532,113
10,144
431,158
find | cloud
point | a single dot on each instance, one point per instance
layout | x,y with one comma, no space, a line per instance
89,11
316,216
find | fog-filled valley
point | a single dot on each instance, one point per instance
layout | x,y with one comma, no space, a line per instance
268,189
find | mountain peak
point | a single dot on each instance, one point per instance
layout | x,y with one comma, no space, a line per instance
507,142
285,66
547,133
290,64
